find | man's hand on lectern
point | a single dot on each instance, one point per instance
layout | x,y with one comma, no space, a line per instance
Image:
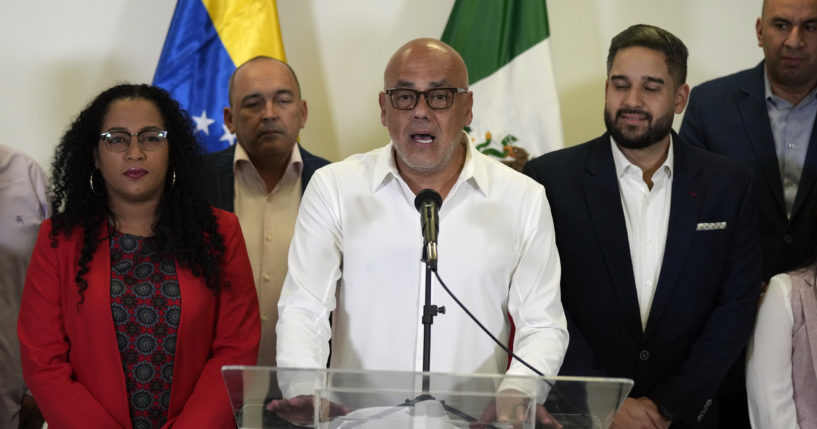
513,406
300,410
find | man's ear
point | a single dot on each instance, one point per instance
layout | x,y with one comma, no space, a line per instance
382,99
681,98
228,119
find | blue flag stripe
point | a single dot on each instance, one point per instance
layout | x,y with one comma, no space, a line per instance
195,68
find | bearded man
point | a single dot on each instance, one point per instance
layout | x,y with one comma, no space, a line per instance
658,242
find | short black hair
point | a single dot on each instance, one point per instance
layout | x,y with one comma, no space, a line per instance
652,37
257,58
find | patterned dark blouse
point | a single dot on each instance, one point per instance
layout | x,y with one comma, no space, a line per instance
146,306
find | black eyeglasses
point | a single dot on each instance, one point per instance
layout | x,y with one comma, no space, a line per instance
437,98
119,141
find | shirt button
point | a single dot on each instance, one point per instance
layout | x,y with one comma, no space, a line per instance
649,282
266,277
269,237
265,318
644,355
787,239
649,241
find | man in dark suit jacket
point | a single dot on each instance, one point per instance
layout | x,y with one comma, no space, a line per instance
658,242
768,128
731,116
263,176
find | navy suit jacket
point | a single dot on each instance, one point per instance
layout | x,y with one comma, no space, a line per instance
705,302
217,184
728,116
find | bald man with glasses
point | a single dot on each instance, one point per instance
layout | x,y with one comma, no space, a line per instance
358,219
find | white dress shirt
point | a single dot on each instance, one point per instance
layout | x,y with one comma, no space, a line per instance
356,252
646,213
769,368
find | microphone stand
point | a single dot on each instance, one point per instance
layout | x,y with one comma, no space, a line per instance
429,311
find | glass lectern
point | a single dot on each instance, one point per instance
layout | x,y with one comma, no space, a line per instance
268,397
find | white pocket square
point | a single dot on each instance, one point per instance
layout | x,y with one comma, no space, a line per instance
708,226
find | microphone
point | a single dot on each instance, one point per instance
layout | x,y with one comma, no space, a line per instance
428,203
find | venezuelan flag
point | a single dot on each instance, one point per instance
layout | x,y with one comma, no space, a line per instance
206,41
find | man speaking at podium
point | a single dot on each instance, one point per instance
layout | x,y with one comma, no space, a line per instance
357,247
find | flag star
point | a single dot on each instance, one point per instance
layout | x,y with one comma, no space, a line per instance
203,122
228,136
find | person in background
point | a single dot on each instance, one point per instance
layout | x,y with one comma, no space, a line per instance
764,117
261,178
658,241
137,292
781,372
23,206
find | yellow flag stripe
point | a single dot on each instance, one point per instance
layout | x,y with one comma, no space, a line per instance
247,28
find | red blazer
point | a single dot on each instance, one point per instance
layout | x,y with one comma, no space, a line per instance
70,359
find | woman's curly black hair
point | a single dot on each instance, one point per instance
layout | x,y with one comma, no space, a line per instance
185,229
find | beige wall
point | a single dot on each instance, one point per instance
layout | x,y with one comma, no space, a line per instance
57,55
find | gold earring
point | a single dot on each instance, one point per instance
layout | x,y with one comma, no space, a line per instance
91,181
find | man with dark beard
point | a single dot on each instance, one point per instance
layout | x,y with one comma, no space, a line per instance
658,242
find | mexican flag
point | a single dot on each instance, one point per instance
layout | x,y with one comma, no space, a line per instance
505,46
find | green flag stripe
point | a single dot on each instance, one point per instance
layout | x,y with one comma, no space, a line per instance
490,33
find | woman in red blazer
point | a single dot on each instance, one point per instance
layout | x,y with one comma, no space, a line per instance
137,292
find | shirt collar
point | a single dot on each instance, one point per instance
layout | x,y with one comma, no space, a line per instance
625,167
241,158
473,170
780,102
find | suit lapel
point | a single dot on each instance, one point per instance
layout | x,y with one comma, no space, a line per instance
809,173
687,195
752,108
225,180
311,163
601,193
99,321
